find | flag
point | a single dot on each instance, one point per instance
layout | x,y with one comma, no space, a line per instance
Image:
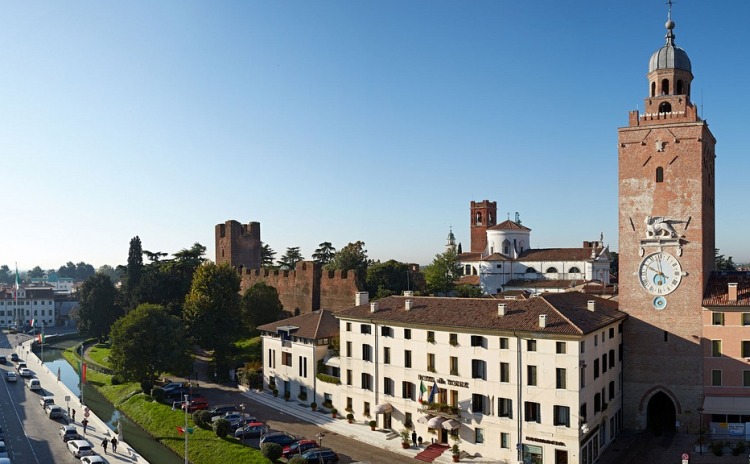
83,373
433,392
33,323
40,338
180,430
17,286
422,389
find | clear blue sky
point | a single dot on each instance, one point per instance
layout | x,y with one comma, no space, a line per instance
340,120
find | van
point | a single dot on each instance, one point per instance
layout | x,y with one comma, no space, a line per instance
34,384
55,412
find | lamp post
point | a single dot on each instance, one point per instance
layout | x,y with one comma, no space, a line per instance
700,430
186,429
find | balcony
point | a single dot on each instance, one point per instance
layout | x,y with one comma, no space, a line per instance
441,410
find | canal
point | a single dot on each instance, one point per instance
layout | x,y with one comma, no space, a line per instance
153,451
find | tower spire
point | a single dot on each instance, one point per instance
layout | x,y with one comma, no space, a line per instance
670,24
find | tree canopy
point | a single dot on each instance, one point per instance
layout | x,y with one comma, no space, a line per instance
324,253
388,278
97,310
353,257
267,255
290,258
260,305
723,264
442,272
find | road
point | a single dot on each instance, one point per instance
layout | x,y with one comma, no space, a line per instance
29,435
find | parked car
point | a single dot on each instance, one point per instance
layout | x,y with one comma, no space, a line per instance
94,459
10,376
281,438
34,384
3,360
69,432
80,448
298,447
21,365
172,385
25,372
251,430
320,456
236,419
2,434
14,357
196,403
221,409
55,412
45,400
176,393
3,450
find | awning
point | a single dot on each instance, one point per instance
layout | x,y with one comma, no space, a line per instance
451,424
333,361
424,419
435,422
383,408
726,405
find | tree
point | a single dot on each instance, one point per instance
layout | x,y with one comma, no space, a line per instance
35,273
109,271
68,271
6,275
97,310
615,264
148,341
324,254
441,273
84,271
212,308
388,278
723,264
260,305
353,257
290,258
134,272
266,256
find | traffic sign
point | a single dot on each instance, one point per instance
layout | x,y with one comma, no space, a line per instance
86,414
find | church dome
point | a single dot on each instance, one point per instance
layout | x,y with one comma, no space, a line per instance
669,56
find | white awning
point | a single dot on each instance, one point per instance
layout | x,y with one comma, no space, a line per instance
333,361
451,424
435,422
424,419
726,405
383,408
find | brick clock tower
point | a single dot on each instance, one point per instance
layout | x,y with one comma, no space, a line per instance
666,228
483,216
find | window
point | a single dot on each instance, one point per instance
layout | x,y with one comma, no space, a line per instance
560,348
604,363
407,334
530,345
408,390
583,375
478,435
745,349
348,403
505,408
746,378
366,381
365,329
366,408
478,403
583,412
561,378
596,368
388,386
611,358
272,358
612,390
476,340
717,319
596,340
505,372
532,412
611,333
407,420
504,440
531,375
454,365
478,369
407,358
348,349
286,359
716,348
660,171
430,336
504,342
348,326
431,362
551,270
302,366
366,353
745,318
574,270
562,415
453,339
386,331
583,346
530,270
597,402
716,377
386,355
348,376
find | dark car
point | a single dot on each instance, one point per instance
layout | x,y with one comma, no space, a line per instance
14,357
298,447
251,430
176,393
320,456
281,438
195,403
3,360
221,409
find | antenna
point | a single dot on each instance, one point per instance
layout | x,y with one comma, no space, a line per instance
669,13
703,116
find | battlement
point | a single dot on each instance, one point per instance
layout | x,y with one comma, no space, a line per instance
251,229
238,244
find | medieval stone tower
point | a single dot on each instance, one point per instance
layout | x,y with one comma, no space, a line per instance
666,227
483,216
238,244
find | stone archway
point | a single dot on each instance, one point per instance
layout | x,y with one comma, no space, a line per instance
661,414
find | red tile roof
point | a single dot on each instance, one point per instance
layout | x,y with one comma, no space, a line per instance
313,326
469,280
551,283
567,313
717,290
559,254
509,225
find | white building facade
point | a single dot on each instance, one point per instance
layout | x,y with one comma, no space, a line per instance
32,303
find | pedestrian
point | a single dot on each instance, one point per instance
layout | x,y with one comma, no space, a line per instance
414,437
74,415
105,442
85,424
114,444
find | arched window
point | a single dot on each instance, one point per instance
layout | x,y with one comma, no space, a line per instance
660,174
665,107
574,270
665,87
530,270
479,218
679,88
506,247
551,270
653,89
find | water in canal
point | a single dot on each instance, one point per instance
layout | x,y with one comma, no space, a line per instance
136,437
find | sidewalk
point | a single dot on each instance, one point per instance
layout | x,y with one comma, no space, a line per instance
384,439
97,428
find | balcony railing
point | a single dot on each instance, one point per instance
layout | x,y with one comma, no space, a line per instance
441,409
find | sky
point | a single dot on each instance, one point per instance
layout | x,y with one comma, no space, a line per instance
341,120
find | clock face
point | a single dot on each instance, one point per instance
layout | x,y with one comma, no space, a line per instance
660,273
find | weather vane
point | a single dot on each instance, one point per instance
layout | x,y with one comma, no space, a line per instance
669,13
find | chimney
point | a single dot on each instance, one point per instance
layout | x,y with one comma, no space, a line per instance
592,305
374,307
407,305
501,309
409,293
733,291
542,321
361,298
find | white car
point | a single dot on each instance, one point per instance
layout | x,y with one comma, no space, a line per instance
94,459
80,448
11,376
69,432
25,372
46,400
3,450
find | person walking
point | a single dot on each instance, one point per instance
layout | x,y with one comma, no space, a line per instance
85,424
114,444
414,437
105,442
74,415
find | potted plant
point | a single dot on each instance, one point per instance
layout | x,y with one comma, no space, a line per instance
302,396
287,395
275,392
350,417
333,412
372,424
404,438
314,406
456,452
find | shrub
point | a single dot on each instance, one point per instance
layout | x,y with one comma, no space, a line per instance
717,448
272,451
146,386
287,395
302,396
158,394
205,417
334,410
350,416
222,428
373,423
296,460
117,379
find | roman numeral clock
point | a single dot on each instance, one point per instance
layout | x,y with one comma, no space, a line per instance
660,272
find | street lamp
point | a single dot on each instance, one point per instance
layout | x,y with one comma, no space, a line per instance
700,429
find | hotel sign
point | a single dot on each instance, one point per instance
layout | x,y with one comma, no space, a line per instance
440,380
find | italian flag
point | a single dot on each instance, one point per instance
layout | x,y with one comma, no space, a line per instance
40,338
33,323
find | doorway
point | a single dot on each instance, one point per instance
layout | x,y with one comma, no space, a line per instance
661,414
387,421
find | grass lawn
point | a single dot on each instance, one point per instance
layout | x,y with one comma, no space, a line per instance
100,354
161,422
248,350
